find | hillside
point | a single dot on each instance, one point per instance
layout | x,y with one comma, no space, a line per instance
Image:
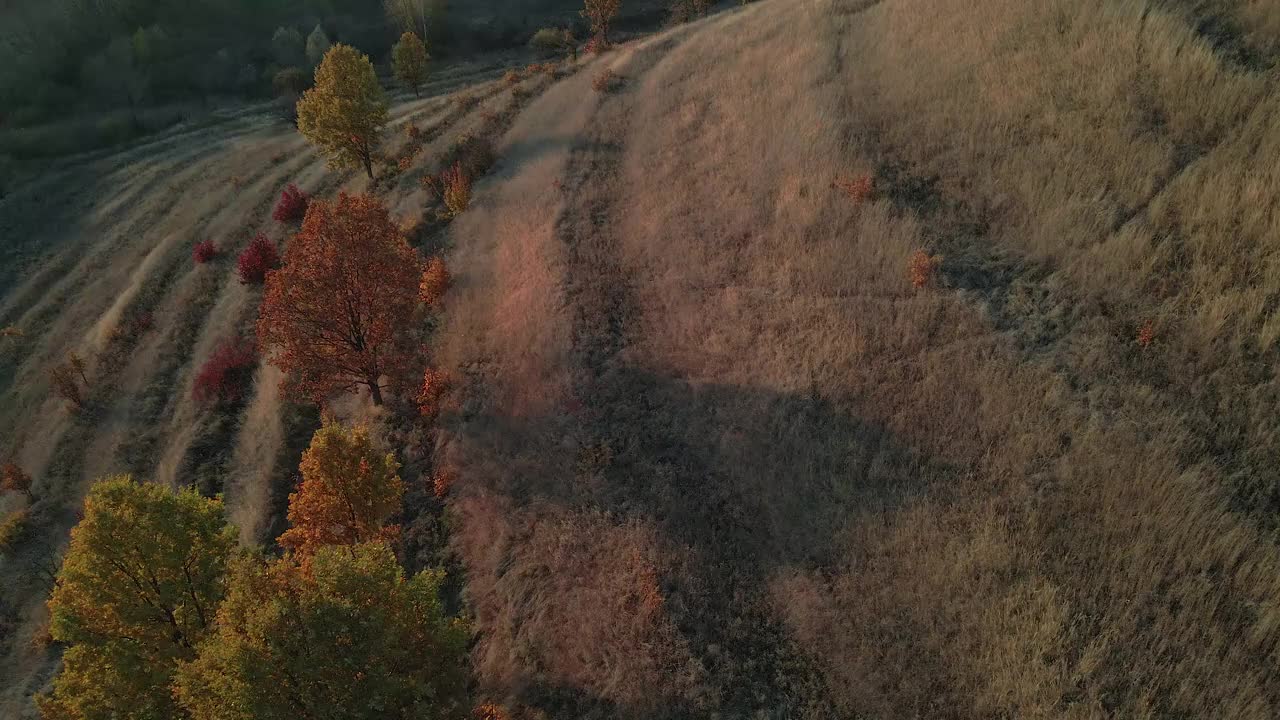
714,454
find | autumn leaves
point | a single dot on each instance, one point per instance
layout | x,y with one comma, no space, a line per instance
166,618
335,312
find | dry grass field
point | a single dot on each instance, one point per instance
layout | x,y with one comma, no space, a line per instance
716,449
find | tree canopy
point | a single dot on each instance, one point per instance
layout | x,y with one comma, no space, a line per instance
349,491
333,315
344,112
409,60
346,636
138,589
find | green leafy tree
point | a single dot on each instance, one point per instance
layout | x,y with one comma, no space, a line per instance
345,637
318,46
138,589
409,60
344,112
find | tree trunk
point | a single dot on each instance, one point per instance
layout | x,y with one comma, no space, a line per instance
375,392
368,164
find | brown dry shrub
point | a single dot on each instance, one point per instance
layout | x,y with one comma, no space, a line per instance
511,78
921,268
65,380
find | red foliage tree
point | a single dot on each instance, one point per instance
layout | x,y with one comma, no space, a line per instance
256,260
204,252
332,314
226,375
292,205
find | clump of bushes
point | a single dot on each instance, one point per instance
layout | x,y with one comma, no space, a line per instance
227,374
204,252
257,260
292,205
511,77
453,187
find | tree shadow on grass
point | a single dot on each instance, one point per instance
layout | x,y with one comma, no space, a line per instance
743,483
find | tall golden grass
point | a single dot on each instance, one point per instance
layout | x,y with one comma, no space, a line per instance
984,499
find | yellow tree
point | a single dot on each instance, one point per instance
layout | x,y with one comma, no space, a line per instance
344,112
349,491
344,636
409,60
138,589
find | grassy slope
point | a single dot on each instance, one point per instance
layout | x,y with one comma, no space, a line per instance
716,455
96,243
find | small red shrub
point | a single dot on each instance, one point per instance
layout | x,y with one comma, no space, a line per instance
921,268
292,206
226,375
256,260
204,252
1146,334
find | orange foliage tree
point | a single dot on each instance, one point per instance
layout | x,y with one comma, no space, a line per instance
349,491
435,282
332,314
